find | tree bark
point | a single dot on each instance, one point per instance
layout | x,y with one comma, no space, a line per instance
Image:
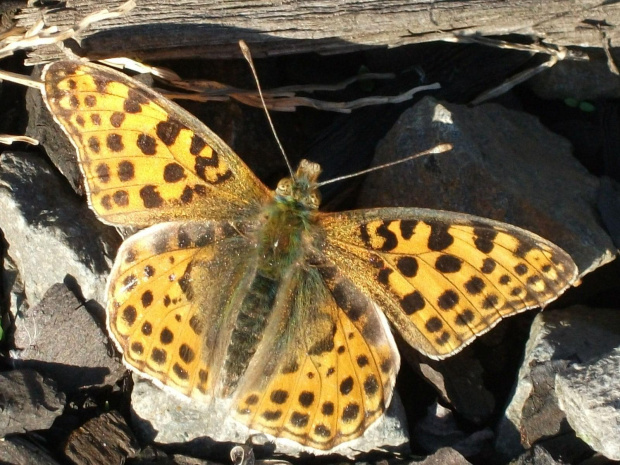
161,29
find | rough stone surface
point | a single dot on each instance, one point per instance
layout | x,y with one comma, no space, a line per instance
598,459
165,418
21,451
42,127
557,338
589,395
439,429
535,456
51,336
52,235
444,456
104,439
505,165
15,294
459,382
28,402
150,455
581,80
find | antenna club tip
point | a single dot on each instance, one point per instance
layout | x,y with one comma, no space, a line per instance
442,148
245,50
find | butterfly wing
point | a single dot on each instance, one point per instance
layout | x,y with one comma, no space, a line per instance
173,295
327,365
445,278
145,159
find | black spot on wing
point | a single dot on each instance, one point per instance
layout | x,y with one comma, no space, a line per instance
390,240
134,101
488,265
103,172
439,238
173,172
121,198
168,131
412,302
147,144
117,118
483,239
448,264
185,283
150,197
448,300
408,266
407,227
125,171
130,314
186,353
197,145
180,371
115,142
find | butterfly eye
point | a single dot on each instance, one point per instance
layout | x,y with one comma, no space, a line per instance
285,187
314,200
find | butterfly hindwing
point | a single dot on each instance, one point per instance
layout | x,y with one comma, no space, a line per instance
144,159
444,278
167,317
335,368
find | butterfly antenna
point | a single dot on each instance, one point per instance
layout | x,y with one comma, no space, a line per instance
248,57
441,148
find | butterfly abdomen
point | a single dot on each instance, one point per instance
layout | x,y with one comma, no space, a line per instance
279,250
249,327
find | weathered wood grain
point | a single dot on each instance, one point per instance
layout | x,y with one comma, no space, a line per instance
158,29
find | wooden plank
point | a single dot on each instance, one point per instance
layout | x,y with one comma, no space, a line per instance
159,29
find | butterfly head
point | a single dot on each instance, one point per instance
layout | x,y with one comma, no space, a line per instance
302,189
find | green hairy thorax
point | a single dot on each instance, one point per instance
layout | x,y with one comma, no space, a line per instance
290,217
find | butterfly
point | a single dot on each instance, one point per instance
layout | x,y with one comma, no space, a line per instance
237,292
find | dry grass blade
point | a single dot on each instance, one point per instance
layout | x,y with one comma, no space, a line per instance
557,53
278,99
10,139
39,35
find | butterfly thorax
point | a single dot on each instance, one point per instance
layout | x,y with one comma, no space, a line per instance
288,219
282,241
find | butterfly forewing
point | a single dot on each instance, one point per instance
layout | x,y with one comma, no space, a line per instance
443,278
144,159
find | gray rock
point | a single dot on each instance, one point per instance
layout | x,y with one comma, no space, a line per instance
535,456
459,381
589,395
28,402
20,451
150,455
598,459
505,165
104,439
557,338
13,287
439,429
166,418
51,233
185,460
444,456
42,127
60,338
581,80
